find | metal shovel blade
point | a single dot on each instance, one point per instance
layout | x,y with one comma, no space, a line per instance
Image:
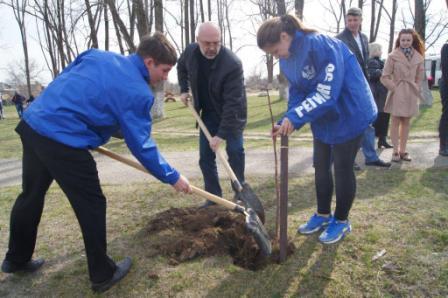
256,228
251,200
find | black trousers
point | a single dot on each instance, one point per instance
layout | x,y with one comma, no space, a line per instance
76,173
381,124
343,156
443,125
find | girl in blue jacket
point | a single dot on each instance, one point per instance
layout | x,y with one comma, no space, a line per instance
328,90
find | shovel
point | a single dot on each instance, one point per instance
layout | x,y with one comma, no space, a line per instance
253,224
244,191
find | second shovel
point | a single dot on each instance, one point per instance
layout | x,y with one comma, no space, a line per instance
243,190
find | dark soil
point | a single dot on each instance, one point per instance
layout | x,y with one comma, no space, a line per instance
185,234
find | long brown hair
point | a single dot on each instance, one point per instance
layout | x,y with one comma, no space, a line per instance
269,32
417,42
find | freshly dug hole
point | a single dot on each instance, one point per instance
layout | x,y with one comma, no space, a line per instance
185,234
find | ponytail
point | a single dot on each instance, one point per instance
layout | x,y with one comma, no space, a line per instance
269,32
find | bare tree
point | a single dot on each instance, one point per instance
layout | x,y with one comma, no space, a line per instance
157,110
93,34
375,19
299,7
19,10
17,71
106,28
392,15
420,19
192,21
121,26
337,9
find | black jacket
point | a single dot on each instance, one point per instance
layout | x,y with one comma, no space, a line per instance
375,69
347,37
226,87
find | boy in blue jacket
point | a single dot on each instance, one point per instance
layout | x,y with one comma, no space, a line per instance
97,94
329,90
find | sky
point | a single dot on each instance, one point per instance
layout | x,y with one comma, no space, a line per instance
315,16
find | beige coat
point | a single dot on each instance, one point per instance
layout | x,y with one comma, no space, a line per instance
403,80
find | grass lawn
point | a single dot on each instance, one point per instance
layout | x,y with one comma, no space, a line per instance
403,212
176,132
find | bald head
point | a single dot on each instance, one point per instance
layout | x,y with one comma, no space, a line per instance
209,39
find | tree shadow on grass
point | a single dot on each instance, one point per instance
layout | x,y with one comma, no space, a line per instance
290,277
436,179
373,182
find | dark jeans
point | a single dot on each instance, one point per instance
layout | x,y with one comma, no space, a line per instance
443,125
343,156
381,124
19,108
207,158
75,171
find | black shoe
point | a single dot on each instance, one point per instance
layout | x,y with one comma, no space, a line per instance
379,163
443,152
31,266
122,269
382,143
356,167
206,204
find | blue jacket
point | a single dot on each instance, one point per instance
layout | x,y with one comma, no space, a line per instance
327,89
94,96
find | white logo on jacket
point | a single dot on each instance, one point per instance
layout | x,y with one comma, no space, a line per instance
308,72
320,95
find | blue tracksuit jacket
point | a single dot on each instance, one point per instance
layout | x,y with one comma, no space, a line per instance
327,89
94,96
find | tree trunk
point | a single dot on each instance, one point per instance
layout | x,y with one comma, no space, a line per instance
192,22
106,28
392,25
142,18
209,5
93,36
281,7
228,26
372,20
158,15
186,23
426,94
19,10
201,6
270,68
121,26
299,6
420,22
282,81
157,110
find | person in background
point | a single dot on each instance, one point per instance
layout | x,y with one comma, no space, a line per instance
1,108
402,76
443,125
357,43
95,95
18,101
375,69
213,77
322,72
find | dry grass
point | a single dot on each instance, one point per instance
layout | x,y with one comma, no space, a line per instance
404,212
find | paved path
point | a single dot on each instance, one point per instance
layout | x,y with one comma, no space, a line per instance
258,163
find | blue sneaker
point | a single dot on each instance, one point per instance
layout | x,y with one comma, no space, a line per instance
314,224
335,231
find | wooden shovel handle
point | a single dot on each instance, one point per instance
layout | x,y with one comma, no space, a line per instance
218,152
138,166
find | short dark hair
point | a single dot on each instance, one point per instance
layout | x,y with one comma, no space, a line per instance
158,47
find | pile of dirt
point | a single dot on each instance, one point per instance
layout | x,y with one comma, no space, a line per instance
185,234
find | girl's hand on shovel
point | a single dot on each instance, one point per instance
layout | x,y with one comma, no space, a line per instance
182,185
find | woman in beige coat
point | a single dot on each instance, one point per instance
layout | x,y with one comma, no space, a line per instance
402,76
